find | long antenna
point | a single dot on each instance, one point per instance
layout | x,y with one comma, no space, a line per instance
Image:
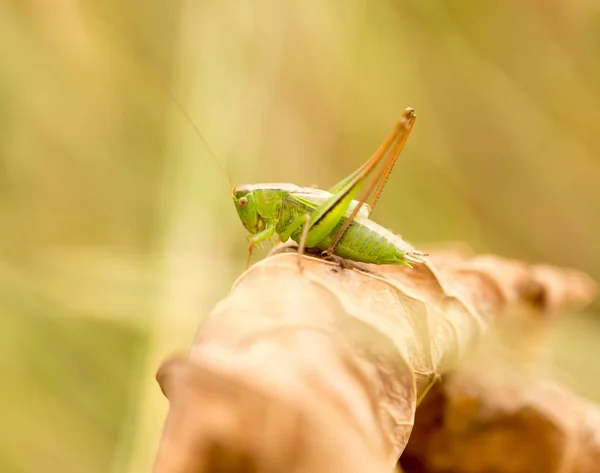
185,113
200,135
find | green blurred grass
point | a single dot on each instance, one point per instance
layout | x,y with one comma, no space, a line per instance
118,232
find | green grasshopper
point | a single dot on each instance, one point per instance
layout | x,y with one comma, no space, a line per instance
332,222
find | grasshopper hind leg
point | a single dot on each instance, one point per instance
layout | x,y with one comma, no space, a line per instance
343,263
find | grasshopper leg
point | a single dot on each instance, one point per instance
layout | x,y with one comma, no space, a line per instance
327,254
342,263
305,229
254,241
302,244
250,250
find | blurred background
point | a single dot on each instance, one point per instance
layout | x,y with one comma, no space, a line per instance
117,228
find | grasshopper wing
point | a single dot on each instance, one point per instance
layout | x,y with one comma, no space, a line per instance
312,198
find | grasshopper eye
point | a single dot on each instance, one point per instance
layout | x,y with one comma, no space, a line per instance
243,202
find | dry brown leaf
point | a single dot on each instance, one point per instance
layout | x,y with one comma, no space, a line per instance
349,353
492,417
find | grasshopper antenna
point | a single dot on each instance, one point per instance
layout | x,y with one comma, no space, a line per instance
182,109
201,136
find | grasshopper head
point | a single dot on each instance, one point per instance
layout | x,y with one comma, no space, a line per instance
245,205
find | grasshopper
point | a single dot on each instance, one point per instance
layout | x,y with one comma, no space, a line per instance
332,222
328,221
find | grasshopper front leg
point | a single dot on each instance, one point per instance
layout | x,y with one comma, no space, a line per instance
255,240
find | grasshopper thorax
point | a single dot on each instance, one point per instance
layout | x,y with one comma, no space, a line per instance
258,204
